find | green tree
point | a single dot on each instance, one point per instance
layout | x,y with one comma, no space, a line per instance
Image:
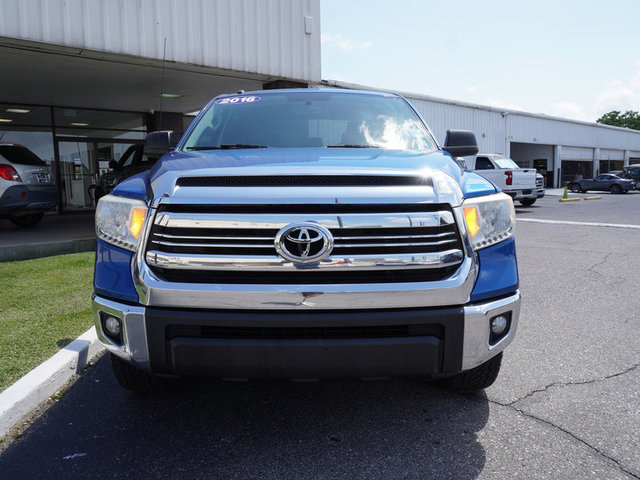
628,119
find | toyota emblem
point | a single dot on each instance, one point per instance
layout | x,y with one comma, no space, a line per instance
304,243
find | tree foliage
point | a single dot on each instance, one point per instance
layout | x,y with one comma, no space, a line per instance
628,119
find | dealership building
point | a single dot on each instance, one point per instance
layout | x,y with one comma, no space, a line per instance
82,81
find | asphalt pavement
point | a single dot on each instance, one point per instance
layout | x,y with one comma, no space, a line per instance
566,404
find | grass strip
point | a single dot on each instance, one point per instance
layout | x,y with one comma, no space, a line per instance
45,304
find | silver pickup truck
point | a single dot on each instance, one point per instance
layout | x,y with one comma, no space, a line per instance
518,183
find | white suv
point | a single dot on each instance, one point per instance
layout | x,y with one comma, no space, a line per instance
26,186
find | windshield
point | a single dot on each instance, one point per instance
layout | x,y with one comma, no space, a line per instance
504,162
310,119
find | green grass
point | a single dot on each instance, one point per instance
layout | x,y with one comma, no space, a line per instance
44,305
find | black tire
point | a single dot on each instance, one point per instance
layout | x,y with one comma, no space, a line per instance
575,188
27,220
477,378
137,380
615,188
527,202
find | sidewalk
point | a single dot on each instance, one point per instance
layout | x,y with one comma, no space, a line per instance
55,235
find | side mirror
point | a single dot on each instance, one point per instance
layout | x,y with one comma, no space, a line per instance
460,143
113,165
158,143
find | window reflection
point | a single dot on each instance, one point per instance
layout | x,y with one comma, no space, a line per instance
87,140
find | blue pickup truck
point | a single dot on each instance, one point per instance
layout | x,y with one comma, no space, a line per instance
306,234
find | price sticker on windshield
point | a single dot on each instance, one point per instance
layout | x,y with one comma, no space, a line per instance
237,100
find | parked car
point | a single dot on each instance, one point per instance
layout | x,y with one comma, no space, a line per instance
132,162
26,186
632,172
605,183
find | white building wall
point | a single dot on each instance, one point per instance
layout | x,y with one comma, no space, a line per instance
488,126
607,154
528,128
497,128
260,36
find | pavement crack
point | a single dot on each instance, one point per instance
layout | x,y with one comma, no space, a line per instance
595,449
512,405
604,260
614,280
570,384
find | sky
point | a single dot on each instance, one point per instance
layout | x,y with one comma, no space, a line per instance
567,58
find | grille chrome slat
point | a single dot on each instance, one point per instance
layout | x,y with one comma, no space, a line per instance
213,245
277,221
197,237
392,237
412,244
270,263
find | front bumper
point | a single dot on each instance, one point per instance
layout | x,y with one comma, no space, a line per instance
302,344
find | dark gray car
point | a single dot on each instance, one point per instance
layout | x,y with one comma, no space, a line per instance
132,162
604,183
632,172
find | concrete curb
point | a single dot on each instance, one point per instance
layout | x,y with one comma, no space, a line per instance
46,379
28,251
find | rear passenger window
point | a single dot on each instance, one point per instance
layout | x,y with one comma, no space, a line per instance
484,164
20,155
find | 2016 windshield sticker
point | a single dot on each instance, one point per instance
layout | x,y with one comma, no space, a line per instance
237,100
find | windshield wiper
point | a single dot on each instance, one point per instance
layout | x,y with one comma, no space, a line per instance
225,146
350,145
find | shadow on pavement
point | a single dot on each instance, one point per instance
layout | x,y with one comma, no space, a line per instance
261,429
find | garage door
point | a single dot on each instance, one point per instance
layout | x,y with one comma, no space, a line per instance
576,153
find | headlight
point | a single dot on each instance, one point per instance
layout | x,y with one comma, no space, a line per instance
119,221
489,219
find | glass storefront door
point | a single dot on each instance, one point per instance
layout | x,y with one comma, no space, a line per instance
82,161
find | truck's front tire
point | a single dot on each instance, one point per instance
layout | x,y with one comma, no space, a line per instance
136,380
477,378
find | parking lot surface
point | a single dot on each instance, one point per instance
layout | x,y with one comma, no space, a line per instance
566,405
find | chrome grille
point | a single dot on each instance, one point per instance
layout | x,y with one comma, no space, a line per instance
238,247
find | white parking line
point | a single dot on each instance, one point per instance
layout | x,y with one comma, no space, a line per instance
584,224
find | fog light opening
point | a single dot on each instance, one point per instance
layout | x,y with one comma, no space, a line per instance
112,328
499,327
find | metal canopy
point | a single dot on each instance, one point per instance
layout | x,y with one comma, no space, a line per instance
42,74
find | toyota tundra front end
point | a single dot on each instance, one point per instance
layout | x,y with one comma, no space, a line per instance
306,234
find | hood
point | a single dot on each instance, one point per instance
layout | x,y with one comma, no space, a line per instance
443,181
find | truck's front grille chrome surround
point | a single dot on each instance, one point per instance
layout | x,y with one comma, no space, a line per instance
205,247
